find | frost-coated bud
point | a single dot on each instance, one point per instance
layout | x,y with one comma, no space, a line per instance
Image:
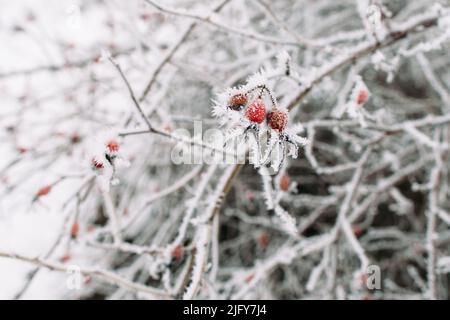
277,120
256,112
237,102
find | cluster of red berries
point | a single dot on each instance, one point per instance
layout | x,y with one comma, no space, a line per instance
256,112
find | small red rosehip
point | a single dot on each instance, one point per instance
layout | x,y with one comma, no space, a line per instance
357,231
363,96
237,102
178,252
65,258
277,120
113,146
74,230
43,191
250,277
22,150
284,182
97,164
263,240
145,16
256,112
75,138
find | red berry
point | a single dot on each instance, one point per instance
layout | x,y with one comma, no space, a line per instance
237,102
75,138
145,16
363,96
284,183
178,252
277,120
65,258
74,230
43,191
22,150
264,240
113,146
97,164
256,112
249,277
357,231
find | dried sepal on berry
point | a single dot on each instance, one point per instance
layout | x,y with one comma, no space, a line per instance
256,111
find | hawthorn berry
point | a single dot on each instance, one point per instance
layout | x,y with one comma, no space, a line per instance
277,120
237,102
256,112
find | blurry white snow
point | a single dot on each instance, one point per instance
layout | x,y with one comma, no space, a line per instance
32,229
